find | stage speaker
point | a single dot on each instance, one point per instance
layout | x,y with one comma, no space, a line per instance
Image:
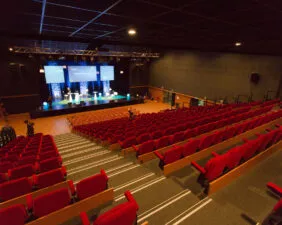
255,78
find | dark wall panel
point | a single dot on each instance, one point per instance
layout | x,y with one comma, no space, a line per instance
216,75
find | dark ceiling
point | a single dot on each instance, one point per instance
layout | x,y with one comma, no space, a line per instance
208,25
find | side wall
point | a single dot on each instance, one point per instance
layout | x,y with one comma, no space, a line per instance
216,75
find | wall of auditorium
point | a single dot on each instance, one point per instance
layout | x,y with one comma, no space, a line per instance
216,75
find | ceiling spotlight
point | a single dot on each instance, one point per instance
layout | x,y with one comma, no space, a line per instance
121,72
132,32
237,44
41,70
11,49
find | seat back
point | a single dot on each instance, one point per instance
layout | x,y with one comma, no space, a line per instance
15,188
49,178
177,137
27,160
129,142
157,134
215,167
13,215
51,202
146,147
47,155
162,142
234,156
92,185
173,155
191,147
123,214
143,137
21,171
206,141
5,166
49,164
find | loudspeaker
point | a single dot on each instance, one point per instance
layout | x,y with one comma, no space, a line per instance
255,78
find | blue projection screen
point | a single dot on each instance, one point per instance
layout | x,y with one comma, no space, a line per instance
107,73
54,74
82,73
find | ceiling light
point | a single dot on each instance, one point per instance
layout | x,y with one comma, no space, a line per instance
41,71
11,49
237,44
121,72
132,32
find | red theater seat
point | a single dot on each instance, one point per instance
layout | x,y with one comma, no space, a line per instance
47,155
170,155
5,166
92,185
143,137
49,178
162,142
191,147
51,202
145,147
157,134
13,215
177,137
48,164
128,142
21,171
15,188
123,214
27,160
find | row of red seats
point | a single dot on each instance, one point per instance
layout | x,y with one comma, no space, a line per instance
132,140
25,185
146,120
219,164
194,145
114,127
45,204
150,146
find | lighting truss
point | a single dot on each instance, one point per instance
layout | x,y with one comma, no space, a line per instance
52,51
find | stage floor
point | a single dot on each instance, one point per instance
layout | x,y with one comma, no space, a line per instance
61,107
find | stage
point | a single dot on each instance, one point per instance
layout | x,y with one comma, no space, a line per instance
61,107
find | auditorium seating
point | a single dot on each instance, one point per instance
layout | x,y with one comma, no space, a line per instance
219,164
14,215
123,214
194,145
49,178
52,201
15,188
92,185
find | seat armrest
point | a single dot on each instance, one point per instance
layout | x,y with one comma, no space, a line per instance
131,199
64,171
71,187
215,154
29,202
102,172
84,218
159,155
135,148
120,143
198,167
274,188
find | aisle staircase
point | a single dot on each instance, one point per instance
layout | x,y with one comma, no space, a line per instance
160,199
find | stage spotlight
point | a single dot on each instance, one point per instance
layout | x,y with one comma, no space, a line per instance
64,66
100,94
121,72
11,49
132,32
115,93
128,95
237,44
41,70
45,103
